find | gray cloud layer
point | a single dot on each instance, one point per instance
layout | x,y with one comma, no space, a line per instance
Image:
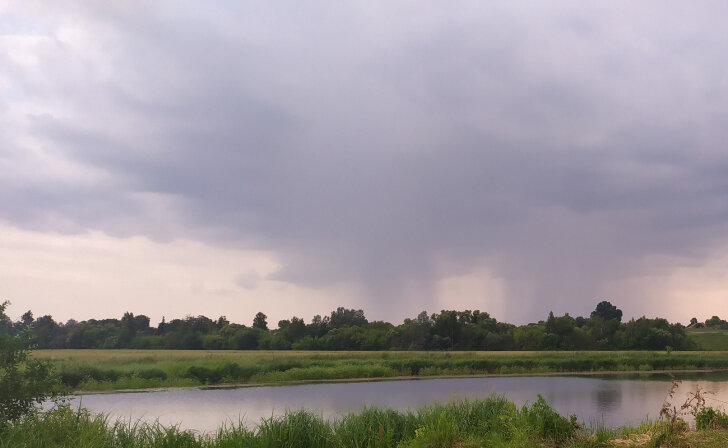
561,145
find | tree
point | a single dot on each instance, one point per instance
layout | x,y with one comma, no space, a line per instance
260,321
607,311
24,382
162,327
128,329
530,337
48,333
551,323
25,321
346,317
417,331
716,322
446,326
296,329
318,326
222,322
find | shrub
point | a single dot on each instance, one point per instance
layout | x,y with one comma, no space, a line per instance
152,373
227,372
709,418
547,422
24,382
76,375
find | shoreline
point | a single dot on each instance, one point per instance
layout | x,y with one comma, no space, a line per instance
391,378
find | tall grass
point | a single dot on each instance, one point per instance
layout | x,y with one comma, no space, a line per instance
88,370
487,422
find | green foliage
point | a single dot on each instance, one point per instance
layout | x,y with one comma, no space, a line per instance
443,434
344,317
349,329
260,321
120,369
229,371
152,373
77,374
24,382
374,428
709,418
547,422
607,311
716,323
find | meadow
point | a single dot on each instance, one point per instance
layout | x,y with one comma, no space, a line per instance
709,339
99,370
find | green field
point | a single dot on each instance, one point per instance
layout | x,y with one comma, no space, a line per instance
97,370
708,339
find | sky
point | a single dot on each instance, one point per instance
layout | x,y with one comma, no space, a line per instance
178,158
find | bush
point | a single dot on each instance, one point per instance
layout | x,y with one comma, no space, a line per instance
227,372
72,377
24,382
709,418
152,373
548,423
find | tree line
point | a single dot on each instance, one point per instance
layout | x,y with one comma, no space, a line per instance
349,329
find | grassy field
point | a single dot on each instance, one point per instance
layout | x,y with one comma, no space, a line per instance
708,339
96,370
490,422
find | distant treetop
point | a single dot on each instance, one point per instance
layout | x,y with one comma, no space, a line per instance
607,311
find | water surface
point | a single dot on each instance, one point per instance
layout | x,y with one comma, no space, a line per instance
608,400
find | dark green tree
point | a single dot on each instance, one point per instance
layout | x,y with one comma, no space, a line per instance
716,322
607,311
318,326
346,317
446,326
128,329
260,321
25,322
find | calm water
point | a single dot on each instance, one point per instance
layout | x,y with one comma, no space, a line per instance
609,400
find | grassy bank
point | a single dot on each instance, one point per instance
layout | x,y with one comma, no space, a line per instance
709,339
89,370
491,422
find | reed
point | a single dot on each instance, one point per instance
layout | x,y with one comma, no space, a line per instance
89,370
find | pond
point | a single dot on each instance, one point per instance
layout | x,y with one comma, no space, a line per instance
613,400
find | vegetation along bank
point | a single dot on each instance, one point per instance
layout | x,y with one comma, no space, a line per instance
96,370
490,422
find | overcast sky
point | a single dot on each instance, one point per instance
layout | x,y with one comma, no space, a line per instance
222,158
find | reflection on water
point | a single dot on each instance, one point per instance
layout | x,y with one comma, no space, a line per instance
607,396
608,400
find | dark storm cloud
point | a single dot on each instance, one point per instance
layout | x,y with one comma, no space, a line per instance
559,146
